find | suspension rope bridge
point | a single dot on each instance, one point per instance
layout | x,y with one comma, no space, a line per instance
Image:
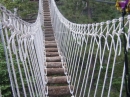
54,57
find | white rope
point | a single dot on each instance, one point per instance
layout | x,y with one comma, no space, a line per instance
0,93
8,64
24,53
89,53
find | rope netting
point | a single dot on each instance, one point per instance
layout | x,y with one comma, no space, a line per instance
23,44
92,55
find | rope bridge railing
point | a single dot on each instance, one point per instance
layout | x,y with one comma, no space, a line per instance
92,55
23,44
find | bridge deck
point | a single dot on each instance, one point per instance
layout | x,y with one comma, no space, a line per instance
57,81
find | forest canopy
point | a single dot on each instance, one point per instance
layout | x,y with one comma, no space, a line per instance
88,11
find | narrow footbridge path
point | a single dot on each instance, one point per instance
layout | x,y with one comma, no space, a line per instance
57,81
54,57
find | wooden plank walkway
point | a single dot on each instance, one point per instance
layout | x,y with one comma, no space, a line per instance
57,81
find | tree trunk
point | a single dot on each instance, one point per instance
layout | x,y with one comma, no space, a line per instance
88,9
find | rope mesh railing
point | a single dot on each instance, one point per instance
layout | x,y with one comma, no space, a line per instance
92,55
23,44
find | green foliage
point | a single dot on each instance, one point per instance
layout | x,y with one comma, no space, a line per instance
25,8
77,11
4,77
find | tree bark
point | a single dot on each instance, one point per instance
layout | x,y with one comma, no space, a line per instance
88,9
